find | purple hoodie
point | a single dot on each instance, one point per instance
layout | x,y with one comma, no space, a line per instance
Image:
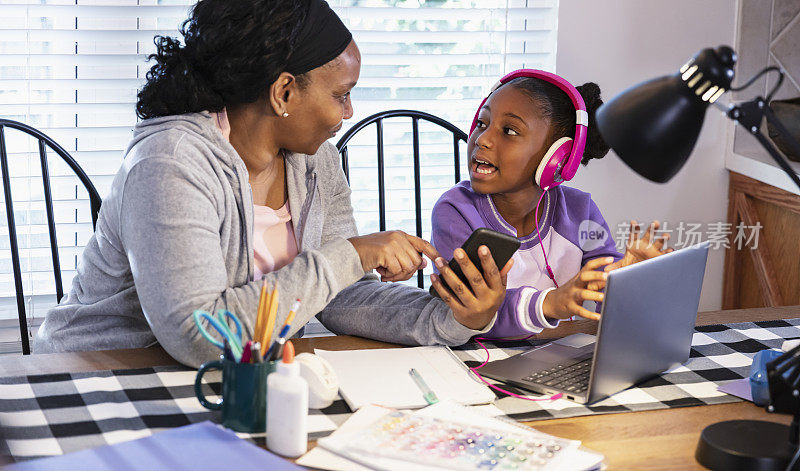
573,231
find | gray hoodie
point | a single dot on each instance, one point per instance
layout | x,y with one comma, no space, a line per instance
174,234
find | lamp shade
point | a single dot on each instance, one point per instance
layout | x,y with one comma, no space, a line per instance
653,126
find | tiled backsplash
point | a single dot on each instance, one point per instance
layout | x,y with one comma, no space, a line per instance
768,34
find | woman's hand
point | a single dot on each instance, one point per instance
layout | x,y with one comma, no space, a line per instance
395,255
567,300
473,306
640,249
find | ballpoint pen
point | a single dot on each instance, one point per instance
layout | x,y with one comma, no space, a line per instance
427,393
276,349
255,353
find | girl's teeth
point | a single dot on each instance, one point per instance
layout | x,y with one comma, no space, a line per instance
484,168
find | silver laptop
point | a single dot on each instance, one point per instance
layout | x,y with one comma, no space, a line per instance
646,327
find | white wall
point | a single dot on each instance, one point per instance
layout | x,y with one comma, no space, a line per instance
619,43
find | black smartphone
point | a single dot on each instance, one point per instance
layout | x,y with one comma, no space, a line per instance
502,246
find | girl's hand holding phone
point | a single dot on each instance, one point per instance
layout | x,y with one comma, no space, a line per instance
475,305
567,300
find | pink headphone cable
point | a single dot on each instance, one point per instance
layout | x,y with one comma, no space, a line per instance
541,242
478,339
474,370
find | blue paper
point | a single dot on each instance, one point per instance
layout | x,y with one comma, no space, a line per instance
202,446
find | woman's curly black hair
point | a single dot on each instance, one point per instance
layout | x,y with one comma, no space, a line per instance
556,106
233,51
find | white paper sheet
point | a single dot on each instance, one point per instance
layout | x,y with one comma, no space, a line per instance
581,459
380,376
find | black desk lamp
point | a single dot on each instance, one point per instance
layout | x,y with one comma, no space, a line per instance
653,127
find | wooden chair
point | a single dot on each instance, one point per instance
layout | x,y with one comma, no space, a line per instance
416,116
94,198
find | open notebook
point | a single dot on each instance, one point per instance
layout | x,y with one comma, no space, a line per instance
380,376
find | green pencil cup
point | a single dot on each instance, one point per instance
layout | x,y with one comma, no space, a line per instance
244,393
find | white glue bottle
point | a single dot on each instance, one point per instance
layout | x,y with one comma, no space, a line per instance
287,407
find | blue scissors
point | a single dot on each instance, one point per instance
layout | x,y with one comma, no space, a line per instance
220,324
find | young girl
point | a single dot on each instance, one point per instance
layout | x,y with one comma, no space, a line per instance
566,247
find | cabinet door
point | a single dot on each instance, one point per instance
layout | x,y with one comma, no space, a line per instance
762,263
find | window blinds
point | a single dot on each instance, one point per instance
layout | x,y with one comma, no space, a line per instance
71,68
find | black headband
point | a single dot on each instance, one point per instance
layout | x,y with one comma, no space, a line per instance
321,40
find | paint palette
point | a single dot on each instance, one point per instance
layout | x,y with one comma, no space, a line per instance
401,435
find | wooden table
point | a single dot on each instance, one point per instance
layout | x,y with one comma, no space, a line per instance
659,439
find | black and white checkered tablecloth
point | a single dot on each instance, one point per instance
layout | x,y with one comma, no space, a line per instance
52,414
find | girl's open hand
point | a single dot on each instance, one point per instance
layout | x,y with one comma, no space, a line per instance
473,306
641,248
567,300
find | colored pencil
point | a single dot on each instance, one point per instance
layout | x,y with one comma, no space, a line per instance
261,314
272,311
292,312
246,352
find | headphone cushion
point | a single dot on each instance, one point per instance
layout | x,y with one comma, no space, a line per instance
556,157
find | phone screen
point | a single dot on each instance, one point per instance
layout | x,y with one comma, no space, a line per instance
502,247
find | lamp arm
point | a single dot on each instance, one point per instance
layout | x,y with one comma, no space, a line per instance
792,379
783,387
749,115
784,361
770,115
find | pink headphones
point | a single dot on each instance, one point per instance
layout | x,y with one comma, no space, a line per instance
561,161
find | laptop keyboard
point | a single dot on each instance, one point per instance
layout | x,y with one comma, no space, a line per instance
571,378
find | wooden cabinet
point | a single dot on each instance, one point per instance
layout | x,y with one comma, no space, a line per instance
769,274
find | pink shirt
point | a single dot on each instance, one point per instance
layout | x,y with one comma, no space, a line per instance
274,245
